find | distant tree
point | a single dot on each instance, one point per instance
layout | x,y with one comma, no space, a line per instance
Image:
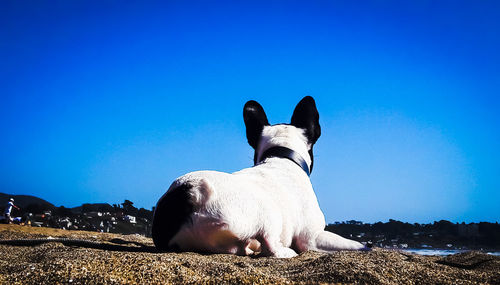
63,211
445,227
116,208
128,208
86,208
143,213
490,233
127,204
34,209
105,208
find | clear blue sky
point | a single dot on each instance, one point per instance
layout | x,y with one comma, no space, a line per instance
103,101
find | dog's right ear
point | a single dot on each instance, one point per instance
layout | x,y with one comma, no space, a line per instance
255,119
306,116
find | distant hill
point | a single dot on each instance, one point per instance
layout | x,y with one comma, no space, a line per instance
24,200
95,207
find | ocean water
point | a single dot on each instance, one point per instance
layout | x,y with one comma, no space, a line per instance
442,252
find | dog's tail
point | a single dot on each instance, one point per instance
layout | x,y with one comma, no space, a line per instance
172,211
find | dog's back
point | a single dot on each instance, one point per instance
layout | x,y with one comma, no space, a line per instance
223,213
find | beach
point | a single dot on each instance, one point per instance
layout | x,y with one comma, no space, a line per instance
54,262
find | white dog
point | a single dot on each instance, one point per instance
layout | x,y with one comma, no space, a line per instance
269,209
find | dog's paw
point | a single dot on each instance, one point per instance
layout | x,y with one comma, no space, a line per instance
285,252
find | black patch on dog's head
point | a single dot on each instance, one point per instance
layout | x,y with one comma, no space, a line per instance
255,119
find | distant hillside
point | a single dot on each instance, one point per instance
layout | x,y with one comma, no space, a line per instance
24,200
95,207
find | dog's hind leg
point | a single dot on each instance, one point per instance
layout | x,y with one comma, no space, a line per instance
327,242
172,211
275,249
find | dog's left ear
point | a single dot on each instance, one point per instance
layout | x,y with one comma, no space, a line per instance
306,116
255,119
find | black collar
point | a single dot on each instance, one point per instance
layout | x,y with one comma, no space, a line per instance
283,152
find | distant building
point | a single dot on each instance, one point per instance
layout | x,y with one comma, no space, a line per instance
130,219
93,214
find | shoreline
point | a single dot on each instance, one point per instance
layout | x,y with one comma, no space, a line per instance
446,252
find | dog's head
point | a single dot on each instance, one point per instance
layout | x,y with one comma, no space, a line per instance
299,136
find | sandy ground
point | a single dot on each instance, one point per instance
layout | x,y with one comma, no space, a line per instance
55,263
